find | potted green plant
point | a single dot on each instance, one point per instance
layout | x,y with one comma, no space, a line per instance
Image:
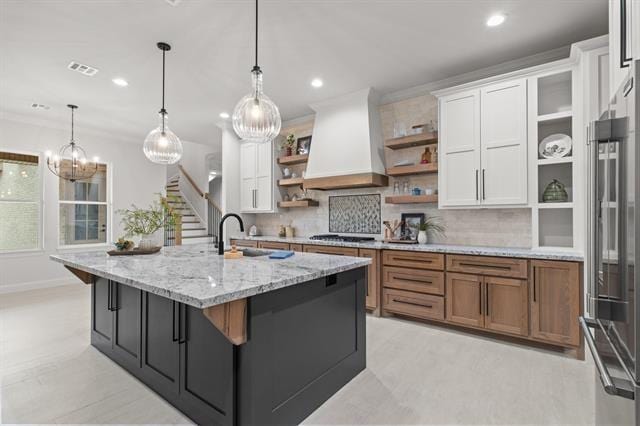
431,225
288,144
145,222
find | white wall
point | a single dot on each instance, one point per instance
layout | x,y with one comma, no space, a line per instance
134,180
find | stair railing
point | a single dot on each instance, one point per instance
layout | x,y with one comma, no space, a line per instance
214,212
172,229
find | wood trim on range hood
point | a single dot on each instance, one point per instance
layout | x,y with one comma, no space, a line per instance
360,180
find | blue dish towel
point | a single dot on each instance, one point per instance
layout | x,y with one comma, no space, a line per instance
281,254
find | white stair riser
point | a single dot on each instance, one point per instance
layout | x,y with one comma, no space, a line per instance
196,240
194,232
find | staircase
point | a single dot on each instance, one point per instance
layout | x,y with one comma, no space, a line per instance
193,230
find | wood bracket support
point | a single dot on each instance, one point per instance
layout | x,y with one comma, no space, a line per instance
85,277
230,319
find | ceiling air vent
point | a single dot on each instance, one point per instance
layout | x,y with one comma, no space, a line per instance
36,105
82,69
173,2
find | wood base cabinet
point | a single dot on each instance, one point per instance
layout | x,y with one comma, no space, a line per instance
555,302
493,303
373,277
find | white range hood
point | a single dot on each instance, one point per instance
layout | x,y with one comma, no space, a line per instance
347,149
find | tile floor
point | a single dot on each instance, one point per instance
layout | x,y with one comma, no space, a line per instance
416,374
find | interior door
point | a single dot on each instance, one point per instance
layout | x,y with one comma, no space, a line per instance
464,299
504,143
506,305
248,165
459,149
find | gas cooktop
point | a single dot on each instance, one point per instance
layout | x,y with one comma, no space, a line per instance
344,238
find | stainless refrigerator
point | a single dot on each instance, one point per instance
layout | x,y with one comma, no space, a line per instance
611,328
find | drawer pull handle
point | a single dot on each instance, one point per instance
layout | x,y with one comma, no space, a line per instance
426,281
404,259
484,265
412,303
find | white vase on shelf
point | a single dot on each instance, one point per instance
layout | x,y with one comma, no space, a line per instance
422,237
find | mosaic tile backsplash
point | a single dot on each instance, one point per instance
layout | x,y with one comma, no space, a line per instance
355,214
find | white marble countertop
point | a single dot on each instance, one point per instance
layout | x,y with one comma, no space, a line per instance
527,253
198,276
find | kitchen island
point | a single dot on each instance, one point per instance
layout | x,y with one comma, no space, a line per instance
246,341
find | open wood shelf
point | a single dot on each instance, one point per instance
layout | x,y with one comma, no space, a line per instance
416,169
411,199
298,203
293,159
290,181
413,140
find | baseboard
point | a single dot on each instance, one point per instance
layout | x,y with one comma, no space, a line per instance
35,285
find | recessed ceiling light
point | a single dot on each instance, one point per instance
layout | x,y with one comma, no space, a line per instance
224,115
316,82
495,20
120,82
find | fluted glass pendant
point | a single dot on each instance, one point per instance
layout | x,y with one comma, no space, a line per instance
161,145
256,118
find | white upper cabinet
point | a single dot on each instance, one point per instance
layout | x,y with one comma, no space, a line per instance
483,146
503,155
459,161
623,28
256,177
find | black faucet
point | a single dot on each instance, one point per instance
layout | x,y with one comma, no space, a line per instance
220,231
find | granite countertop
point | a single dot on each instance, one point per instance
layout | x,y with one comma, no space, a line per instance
544,254
196,275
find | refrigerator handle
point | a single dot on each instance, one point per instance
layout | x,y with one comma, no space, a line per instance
621,387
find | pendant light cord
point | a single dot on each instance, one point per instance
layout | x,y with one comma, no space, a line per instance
256,67
163,111
72,140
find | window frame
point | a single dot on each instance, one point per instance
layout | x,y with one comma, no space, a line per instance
40,203
109,214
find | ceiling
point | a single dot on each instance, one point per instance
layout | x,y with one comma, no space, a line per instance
351,44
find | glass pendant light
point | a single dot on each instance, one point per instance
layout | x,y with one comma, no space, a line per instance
256,118
161,145
71,162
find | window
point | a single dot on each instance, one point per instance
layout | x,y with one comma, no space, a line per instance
84,210
20,202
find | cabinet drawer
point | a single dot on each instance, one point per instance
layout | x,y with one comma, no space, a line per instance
272,245
422,281
244,243
413,259
413,304
295,247
340,251
484,265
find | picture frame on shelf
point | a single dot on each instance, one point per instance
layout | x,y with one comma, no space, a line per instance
411,225
303,145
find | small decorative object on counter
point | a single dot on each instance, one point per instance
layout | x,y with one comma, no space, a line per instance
282,231
289,231
253,231
431,225
304,145
410,225
286,172
555,193
234,253
123,244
